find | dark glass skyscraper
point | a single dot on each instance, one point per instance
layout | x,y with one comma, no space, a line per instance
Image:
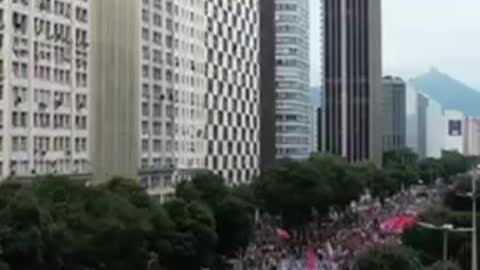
267,84
352,122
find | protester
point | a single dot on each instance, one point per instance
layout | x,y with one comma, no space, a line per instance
334,245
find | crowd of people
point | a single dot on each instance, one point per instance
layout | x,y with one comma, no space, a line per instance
336,243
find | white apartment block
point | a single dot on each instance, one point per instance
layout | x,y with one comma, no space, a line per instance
233,88
172,90
294,116
44,93
454,131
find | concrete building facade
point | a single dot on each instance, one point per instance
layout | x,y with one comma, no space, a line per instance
293,108
394,113
352,79
115,76
44,93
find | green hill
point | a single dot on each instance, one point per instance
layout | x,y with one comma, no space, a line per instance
449,92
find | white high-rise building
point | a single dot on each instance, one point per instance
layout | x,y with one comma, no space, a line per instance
293,108
172,89
233,94
454,130
195,100
44,92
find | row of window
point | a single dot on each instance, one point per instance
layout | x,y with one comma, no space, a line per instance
43,98
43,144
159,146
22,167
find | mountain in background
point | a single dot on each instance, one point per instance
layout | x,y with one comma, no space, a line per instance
316,96
451,93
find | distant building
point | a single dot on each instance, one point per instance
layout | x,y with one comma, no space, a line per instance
352,122
319,130
454,131
434,123
394,113
422,107
316,101
430,126
472,136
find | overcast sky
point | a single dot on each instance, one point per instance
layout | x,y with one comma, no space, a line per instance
419,34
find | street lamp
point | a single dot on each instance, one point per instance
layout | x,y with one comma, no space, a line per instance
473,195
445,228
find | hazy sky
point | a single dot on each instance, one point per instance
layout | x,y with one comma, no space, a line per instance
419,34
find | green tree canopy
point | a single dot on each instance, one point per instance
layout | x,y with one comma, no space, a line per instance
389,258
449,265
231,206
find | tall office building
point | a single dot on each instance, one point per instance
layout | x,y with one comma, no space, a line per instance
352,79
267,84
394,113
293,108
44,89
233,94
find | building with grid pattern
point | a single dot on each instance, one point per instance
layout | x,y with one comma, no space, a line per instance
44,91
294,117
233,88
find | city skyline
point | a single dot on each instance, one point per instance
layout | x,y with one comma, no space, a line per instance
411,47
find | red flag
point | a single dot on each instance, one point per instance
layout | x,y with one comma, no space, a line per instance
398,224
282,234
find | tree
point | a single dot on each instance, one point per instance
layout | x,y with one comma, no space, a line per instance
454,163
429,243
56,223
403,157
4,266
444,266
232,211
234,225
382,185
292,190
389,258
430,169
455,198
